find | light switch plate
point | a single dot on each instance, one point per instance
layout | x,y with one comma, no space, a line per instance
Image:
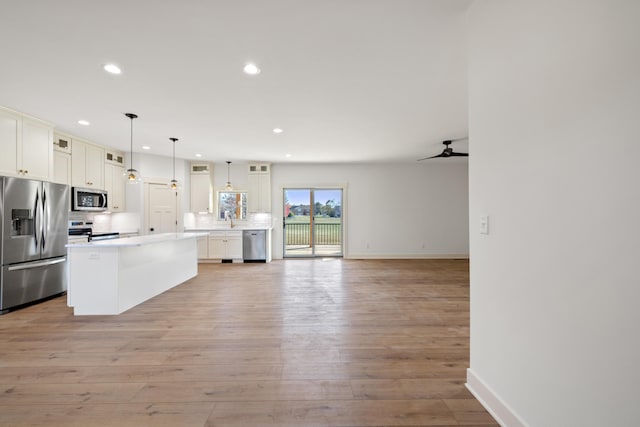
484,224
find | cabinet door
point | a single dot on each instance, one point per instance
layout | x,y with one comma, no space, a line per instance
200,193
234,247
203,248
78,164
114,184
61,167
217,246
259,193
87,165
253,181
9,136
37,150
265,193
94,172
118,191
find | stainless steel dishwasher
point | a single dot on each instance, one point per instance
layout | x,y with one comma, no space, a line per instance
254,246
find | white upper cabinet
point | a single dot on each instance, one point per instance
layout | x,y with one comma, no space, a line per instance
259,181
61,167
87,165
114,184
27,148
201,187
9,136
61,159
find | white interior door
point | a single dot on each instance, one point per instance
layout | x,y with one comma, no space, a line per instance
163,217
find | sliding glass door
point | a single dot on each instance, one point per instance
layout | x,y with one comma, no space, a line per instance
312,222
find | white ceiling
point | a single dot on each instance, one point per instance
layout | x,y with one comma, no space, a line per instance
347,80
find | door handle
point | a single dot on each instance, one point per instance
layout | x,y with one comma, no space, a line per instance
43,236
36,226
36,264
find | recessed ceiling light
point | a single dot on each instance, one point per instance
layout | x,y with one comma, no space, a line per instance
251,69
287,155
112,68
146,147
277,130
198,155
83,122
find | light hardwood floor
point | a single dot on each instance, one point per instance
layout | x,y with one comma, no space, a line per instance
291,343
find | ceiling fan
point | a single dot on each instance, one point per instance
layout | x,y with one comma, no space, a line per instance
448,151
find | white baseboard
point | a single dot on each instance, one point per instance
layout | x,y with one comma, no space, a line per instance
504,415
407,256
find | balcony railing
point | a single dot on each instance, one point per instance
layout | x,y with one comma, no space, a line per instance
298,233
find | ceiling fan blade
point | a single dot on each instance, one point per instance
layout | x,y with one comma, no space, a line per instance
432,157
459,154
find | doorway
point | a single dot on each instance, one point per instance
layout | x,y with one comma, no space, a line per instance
163,216
313,225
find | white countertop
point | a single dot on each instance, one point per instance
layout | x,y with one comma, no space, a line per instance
137,240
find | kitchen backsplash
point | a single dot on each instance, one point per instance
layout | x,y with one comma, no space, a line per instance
123,222
196,220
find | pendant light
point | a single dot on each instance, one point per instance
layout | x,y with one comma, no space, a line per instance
228,187
132,176
173,184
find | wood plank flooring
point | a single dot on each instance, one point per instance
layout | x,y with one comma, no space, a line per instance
290,343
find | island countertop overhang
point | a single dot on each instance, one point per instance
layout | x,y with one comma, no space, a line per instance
138,240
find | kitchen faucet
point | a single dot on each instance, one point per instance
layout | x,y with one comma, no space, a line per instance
228,216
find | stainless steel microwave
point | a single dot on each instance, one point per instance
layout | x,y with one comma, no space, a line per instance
88,199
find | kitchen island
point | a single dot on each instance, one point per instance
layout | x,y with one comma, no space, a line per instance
111,276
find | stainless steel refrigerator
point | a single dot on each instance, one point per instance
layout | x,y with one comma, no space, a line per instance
33,236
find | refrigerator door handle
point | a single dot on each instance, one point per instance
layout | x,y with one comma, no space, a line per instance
36,228
36,264
44,219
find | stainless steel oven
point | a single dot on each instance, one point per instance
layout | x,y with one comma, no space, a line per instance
88,199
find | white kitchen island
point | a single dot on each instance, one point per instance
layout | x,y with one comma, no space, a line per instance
111,276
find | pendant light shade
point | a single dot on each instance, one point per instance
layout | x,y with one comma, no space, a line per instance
173,184
228,187
132,176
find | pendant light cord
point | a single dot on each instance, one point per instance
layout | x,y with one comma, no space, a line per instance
131,116
131,162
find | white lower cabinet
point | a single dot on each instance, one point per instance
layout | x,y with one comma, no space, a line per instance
203,247
225,245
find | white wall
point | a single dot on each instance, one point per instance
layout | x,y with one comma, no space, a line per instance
237,174
554,110
409,210
155,167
